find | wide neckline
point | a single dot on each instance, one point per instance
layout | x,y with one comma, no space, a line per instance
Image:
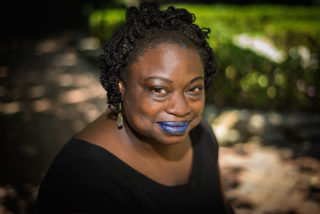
142,177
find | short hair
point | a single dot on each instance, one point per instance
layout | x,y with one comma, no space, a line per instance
147,27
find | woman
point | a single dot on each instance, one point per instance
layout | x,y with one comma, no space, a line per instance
152,152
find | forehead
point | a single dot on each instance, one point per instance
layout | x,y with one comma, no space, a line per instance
167,61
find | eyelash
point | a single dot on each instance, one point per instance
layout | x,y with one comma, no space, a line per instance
196,92
163,92
156,90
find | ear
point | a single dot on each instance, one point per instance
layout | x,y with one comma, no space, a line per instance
121,87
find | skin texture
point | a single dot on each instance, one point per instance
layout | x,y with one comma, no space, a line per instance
166,83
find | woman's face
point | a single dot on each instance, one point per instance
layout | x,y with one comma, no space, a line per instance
163,97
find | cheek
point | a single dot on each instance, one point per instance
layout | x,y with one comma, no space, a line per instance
138,105
149,108
197,107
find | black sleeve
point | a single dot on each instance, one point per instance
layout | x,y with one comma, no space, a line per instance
77,183
207,135
208,146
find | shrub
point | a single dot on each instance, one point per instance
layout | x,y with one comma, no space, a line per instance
268,56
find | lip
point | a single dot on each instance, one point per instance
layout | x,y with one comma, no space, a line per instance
174,127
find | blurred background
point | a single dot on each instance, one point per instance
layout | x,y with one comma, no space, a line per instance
264,105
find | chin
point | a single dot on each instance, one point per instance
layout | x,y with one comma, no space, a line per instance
170,139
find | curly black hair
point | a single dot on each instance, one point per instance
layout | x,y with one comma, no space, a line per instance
145,28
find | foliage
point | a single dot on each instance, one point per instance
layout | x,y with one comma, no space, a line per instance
268,56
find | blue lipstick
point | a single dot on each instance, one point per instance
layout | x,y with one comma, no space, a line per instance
174,127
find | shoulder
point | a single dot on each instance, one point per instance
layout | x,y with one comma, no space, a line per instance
83,161
81,176
204,131
99,130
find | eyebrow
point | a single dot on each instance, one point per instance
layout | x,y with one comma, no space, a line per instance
155,77
197,78
170,81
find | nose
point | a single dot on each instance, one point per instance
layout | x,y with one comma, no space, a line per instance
178,105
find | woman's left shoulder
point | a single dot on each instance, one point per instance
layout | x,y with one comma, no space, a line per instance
203,134
205,129
205,124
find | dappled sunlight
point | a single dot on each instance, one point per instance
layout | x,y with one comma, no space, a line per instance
84,81
65,80
256,159
305,54
66,59
81,95
269,156
50,90
74,96
41,105
47,46
307,58
309,90
89,43
45,100
54,89
73,89
275,118
11,107
239,126
222,127
256,123
90,111
261,53
36,91
75,80
261,174
260,46
22,196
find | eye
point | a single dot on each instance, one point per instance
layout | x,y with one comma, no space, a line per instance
158,91
195,90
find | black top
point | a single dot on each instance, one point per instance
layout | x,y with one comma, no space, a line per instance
87,178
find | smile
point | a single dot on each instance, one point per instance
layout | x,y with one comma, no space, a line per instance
174,127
